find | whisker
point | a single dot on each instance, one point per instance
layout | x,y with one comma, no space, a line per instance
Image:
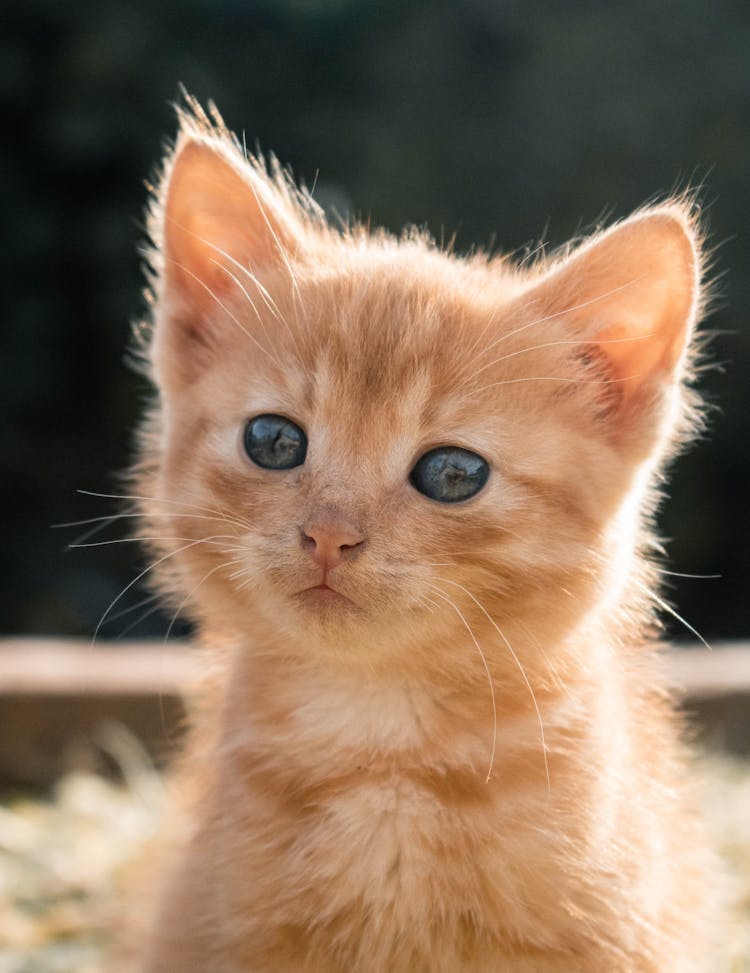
279,246
103,522
214,539
135,580
557,378
81,540
521,669
226,310
268,300
108,518
428,601
665,606
441,594
181,503
91,532
680,574
559,314
132,608
141,618
553,344
240,572
250,301
189,595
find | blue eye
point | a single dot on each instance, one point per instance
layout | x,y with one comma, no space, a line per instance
449,474
275,442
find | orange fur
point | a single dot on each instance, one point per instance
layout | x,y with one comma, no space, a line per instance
464,761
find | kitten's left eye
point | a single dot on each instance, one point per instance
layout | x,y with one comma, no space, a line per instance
449,474
275,442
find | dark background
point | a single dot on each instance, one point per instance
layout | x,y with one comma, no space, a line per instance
501,121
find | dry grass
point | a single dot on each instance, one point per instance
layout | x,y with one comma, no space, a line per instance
62,860
727,801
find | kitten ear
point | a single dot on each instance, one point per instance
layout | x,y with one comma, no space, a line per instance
633,294
218,216
217,211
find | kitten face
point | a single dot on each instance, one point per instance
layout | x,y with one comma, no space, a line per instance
562,380
367,424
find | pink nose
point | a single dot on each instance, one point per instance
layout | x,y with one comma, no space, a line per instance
329,541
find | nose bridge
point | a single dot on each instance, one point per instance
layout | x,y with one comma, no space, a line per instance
339,488
339,492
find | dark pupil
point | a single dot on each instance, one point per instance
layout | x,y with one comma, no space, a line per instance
275,442
450,474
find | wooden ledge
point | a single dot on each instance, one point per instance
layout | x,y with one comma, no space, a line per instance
56,695
698,673
60,667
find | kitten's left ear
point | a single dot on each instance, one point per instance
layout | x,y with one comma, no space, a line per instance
633,295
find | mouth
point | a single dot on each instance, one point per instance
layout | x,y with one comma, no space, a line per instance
322,594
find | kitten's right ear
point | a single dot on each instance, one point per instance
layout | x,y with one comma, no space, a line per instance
632,296
220,217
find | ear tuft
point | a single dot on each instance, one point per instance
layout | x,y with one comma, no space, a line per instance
631,295
633,292
221,225
216,215
647,325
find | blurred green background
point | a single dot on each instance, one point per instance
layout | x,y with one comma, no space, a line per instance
502,122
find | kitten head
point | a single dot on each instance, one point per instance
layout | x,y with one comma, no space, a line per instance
358,436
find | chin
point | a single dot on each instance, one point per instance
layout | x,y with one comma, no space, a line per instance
328,617
315,617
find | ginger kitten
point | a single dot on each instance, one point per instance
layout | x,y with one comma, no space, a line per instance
406,498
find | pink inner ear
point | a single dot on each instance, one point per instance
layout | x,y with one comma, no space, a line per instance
634,354
633,293
215,218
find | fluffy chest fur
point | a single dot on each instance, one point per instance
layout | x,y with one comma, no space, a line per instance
333,842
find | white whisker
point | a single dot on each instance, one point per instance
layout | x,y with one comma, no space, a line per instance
229,313
180,503
665,606
103,522
441,594
135,580
130,516
249,299
564,341
214,539
268,300
520,667
126,611
279,246
559,314
189,595
680,574
557,378
141,618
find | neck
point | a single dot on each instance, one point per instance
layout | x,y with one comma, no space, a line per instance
316,720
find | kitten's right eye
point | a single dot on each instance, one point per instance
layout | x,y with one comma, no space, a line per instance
450,474
275,442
